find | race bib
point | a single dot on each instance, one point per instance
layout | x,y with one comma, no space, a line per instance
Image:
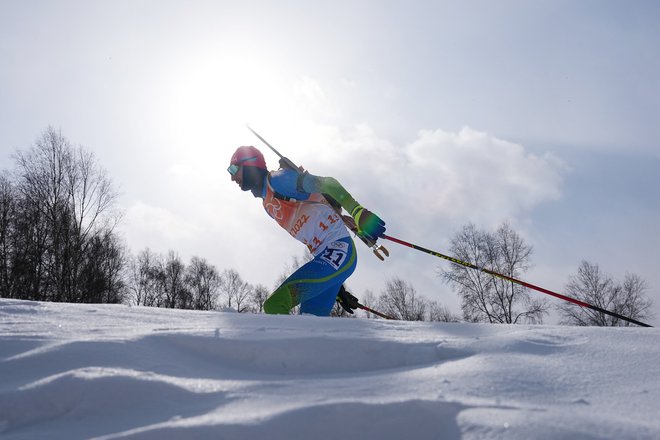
335,254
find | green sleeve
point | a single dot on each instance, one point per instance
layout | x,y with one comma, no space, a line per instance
331,187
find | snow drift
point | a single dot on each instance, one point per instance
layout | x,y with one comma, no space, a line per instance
111,371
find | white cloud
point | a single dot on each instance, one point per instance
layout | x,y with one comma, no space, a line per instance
474,176
154,227
439,181
310,90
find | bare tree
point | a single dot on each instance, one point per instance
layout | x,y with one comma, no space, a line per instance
7,218
144,279
339,312
259,295
594,287
485,297
400,300
203,281
633,301
166,282
43,184
176,294
369,300
64,213
91,195
440,313
29,246
102,270
235,291
112,266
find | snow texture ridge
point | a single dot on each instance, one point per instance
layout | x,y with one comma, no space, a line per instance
113,372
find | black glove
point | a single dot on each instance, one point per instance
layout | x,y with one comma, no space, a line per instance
347,301
285,163
369,224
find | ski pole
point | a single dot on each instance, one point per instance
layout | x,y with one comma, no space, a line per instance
513,280
382,315
288,162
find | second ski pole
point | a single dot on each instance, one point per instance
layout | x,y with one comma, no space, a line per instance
513,280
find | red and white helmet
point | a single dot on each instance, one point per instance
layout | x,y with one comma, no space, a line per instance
248,156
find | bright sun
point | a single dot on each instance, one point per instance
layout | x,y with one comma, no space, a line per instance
215,97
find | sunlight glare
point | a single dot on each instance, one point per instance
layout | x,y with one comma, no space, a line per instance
216,97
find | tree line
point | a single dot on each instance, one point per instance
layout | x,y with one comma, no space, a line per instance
58,243
155,280
57,220
486,298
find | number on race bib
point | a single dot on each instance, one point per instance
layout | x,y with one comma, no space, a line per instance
335,257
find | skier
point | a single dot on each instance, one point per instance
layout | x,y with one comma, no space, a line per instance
301,204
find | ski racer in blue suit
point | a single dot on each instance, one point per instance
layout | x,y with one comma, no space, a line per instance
299,203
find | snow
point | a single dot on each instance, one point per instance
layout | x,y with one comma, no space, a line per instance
71,371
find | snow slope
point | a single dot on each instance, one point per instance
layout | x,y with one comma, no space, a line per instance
110,371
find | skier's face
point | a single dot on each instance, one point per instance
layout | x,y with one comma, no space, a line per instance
237,176
248,178
238,173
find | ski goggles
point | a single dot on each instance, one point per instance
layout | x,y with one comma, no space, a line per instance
233,168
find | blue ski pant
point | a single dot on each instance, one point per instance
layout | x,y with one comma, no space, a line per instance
315,284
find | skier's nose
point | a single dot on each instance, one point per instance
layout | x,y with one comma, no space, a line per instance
236,178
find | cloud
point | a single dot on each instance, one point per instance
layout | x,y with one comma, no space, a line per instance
152,226
475,175
441,179
310,90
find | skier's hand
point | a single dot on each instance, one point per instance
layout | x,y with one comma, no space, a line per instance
285,164
347,301
369,224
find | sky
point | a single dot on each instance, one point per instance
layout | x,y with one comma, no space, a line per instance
432,114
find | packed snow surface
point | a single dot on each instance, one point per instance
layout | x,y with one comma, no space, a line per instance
111,371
